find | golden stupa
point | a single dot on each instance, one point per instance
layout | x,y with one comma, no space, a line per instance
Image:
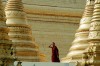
6,53
92,56
20,32
42,57
80,42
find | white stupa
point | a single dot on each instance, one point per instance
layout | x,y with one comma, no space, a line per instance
20,33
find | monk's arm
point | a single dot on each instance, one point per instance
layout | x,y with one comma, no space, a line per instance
50,46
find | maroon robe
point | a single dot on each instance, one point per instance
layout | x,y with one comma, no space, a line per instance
55,54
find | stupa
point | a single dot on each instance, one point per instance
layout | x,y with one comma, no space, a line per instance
80,42
92,56
20,32
6,54
42,57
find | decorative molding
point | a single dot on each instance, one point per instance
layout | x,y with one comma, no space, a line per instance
15,14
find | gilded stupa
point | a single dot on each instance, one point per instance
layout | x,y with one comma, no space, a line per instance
20,32
42,57
6,53
92,56
80,42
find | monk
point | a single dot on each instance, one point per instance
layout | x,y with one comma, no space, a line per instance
55,53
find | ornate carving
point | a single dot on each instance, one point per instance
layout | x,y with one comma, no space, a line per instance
15,14
95,26
5,43
94,35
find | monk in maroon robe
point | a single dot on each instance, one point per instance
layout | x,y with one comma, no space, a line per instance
55,53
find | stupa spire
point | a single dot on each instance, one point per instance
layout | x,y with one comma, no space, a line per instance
6,57
92,56
20,33
15,5
80,42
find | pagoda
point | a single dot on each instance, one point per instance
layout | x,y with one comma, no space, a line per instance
92,56
20,32
6,51
80,42
42,57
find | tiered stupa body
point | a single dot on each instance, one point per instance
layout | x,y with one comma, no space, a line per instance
20,33
80,42
42,57
6,57
93,54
